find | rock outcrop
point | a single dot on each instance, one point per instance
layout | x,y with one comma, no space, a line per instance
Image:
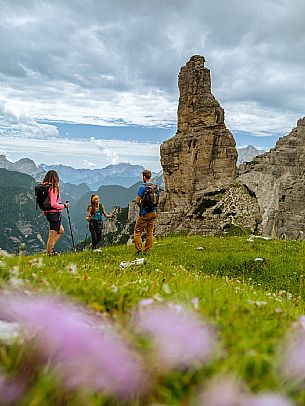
199,164
278,180
202,153
203,192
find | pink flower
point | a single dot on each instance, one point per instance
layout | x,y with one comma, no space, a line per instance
229,392
268,399
85,356
181,338
146,302
11,391
292,357
225,392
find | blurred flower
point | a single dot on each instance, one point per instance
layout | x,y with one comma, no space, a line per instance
268,399
85,356
38,262
302,321
11,391
166,288
230,392
292,355
72,268
146,302
180,338
195,302
222,392
8,332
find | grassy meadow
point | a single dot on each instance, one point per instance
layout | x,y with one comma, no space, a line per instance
250,292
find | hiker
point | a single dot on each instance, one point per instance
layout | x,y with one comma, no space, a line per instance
94,216
53,215
147,199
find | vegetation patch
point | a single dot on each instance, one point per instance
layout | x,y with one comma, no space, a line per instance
251,193
216,192
218,210
250,291
203,206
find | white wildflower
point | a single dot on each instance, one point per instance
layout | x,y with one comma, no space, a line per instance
166,288
195,302
72,268
146,302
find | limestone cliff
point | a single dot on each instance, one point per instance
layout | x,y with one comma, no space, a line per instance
199,164
202,153
278,178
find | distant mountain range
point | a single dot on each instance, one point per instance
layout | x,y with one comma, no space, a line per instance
24,165
123,174
20,222
247,154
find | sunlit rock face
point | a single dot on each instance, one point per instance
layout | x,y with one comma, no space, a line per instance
204,194
203,152
278,180
199,164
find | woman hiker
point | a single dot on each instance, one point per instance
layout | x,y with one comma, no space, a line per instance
54,215
94,216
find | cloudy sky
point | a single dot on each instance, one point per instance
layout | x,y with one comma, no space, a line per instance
94,82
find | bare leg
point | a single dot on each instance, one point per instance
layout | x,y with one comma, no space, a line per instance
58,235
51,241
53,238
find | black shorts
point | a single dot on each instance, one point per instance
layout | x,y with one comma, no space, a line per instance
54,220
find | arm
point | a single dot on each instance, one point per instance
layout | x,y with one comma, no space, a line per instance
140,195
138,200
108,216
88,214
53,200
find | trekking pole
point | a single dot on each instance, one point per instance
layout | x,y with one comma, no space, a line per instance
86,237
70,226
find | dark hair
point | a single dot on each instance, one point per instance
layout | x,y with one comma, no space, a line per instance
52,178
146,173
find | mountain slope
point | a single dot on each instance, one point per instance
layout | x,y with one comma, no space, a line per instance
24,165
20,222
123,174
247,153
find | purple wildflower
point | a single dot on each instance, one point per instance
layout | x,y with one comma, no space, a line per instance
85,356
225,392
146,302
11,391
292,357
268,399
180,338
230,392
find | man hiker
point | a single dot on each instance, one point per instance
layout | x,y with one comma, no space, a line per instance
147,199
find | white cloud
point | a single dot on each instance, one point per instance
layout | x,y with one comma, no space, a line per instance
74,152
15,123
89,164
113,155
106,63
262,121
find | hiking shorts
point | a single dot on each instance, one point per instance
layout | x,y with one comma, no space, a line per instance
54,219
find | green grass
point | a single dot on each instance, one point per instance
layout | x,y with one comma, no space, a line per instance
222,273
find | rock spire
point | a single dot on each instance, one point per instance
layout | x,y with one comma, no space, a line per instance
202,153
